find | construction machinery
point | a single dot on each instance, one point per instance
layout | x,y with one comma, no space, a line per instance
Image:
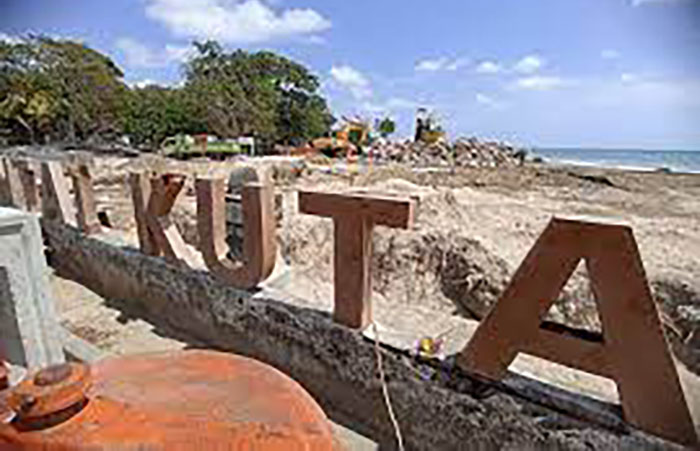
348,138
188,146
428,128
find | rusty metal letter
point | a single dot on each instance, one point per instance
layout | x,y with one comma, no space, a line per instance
140,193
13,185
56,203
164,190
153,200
85,199
259,243
4,376
354,216
632,349
27,171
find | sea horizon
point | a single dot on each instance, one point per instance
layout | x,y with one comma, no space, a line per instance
634,149
681,161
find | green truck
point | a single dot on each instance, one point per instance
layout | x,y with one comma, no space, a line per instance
188,146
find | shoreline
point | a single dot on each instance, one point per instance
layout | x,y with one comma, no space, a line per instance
623,169
598,159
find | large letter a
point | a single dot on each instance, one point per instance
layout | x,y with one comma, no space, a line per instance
632,349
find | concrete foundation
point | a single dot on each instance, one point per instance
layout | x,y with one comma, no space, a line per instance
28,327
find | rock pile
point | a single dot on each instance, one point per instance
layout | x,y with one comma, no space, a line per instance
463,153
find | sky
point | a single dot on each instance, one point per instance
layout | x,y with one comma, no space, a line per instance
547,73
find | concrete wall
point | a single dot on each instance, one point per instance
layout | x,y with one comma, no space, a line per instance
334,363
28,327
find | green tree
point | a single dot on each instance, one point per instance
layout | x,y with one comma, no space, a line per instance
65,90
27,100
59,88
33,111
386,127
153,113
260,94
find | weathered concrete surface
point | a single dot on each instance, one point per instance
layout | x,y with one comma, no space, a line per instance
336,364
28,327
114,327
77,349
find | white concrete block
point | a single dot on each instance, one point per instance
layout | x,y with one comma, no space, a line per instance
28,322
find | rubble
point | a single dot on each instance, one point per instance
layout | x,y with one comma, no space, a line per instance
465,152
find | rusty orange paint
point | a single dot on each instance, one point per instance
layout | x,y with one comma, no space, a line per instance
259,244
3,376
50,390
185,400
354,216
632,349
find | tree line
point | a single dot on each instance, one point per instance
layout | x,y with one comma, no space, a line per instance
62,91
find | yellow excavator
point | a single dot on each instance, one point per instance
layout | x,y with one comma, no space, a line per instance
352,135
428,128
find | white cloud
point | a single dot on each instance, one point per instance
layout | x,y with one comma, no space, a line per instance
352,80
540,83
177,52
627,77
393,105
488,67
609,54
657,2
139,55
529,64
142,83
431,65
398,103
316,39
372,108
443,63
149,82
234,21
635,92
457,64
9,38
488,101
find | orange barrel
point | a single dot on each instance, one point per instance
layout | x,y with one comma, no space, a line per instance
179,400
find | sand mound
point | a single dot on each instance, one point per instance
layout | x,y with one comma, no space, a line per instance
433,265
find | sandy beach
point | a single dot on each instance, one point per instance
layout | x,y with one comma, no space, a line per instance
473,228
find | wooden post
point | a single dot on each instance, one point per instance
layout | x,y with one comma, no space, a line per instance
259,245
354,216
632,349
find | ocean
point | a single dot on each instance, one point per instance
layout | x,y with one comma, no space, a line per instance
639,160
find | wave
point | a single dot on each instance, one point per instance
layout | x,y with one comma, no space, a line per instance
637,161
